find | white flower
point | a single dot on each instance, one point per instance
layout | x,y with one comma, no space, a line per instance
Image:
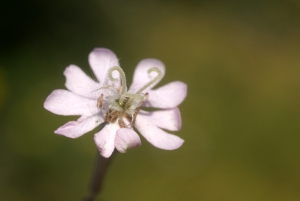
108,100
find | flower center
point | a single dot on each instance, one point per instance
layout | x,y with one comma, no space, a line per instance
122,105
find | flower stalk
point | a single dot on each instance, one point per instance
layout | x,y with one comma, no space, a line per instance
101,166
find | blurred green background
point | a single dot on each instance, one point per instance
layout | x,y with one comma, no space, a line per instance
240,59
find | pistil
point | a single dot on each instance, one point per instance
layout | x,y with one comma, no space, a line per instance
124,106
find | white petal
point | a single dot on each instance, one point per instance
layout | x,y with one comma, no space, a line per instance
167,96
141,77
78,82
101,60
105,139
74,129
126,138
155,135
63,102
166,119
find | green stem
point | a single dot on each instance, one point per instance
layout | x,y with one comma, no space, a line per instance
101,166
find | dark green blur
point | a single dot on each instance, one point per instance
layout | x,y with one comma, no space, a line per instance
240,59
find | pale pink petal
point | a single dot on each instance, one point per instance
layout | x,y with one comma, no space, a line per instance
74,129
101,60
155,135
166,119
105,139
167,96
80,83
63,102
126,138
141,77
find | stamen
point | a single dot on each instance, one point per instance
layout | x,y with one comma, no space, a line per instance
122,76
100,101
154,80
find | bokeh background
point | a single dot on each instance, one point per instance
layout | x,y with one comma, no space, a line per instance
240,59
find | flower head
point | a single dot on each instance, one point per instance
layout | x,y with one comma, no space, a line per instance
108,100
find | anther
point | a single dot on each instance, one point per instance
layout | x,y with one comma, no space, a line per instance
99,101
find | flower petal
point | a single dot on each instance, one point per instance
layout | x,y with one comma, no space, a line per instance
167,119
63,102
100,60
74,129
78,82
105,139
155,135
167,96
141,76
126,138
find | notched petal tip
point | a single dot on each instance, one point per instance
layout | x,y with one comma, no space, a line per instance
168,96
174,142
105,139
50,101
102,148
156,136
178,144
177,115
80,83
100,60
169,119
63,102
75,129
126,138
66,128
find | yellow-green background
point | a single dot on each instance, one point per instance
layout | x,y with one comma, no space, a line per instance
240,59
